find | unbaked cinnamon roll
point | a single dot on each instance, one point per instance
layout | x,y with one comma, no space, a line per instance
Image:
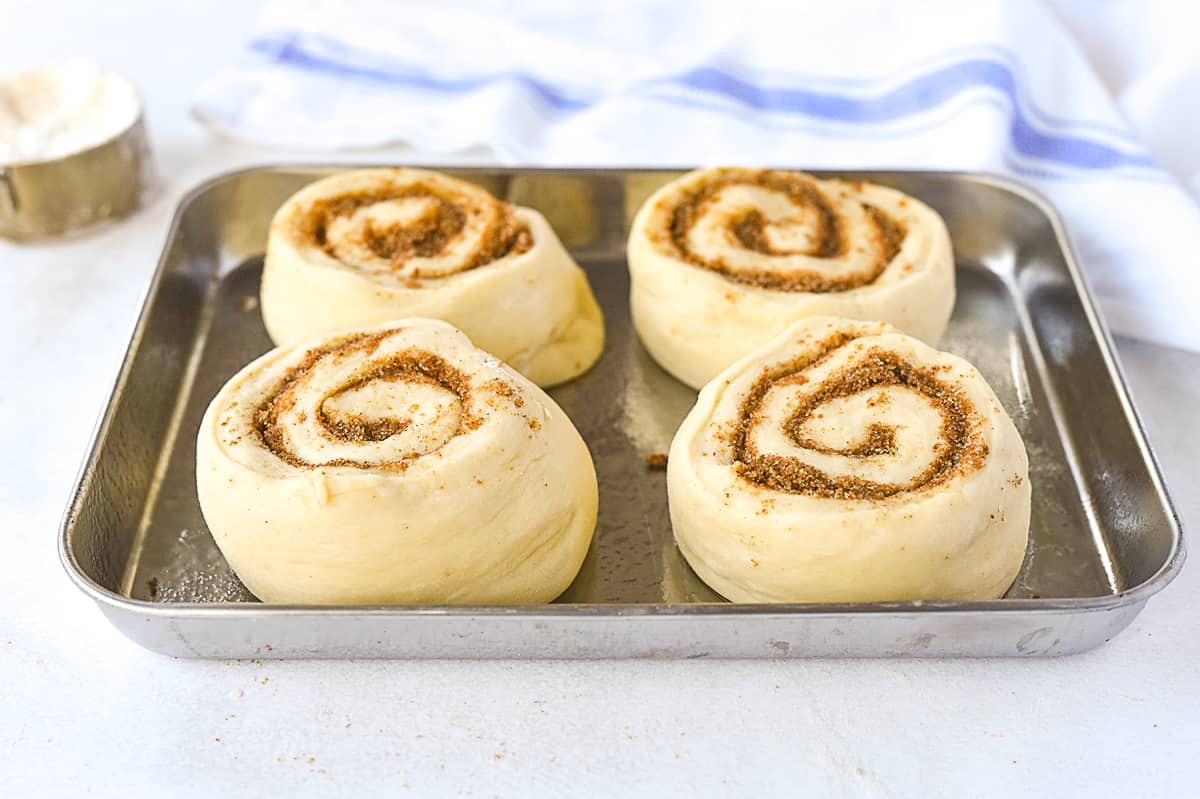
847,462
396,464
374,245
723,259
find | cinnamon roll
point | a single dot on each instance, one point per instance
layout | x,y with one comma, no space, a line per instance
395,464
847,462
723,259
374,245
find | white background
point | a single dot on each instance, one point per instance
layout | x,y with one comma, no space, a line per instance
82,710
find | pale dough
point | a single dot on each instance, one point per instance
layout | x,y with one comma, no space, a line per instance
868,467
533,309
395,464
696,320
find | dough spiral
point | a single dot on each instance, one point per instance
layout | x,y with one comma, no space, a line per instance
723,259
848,462
396,464
373,245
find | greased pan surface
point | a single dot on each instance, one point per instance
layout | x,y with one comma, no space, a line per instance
1104,537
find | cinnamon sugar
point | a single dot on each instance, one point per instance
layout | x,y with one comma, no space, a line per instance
656,461
885,235
431,233
960,448
411,365
506,390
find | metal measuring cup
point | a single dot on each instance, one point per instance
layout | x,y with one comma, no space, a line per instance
60,195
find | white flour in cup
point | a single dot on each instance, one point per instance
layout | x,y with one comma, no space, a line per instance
56,111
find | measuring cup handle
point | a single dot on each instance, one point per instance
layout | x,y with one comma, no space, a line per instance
8,194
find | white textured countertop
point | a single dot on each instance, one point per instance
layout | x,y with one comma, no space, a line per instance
82,710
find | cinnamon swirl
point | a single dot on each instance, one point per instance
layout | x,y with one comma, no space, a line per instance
723,259
394,464
373,245
848,462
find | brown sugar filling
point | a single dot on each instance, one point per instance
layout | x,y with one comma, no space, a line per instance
886,235
426,237
960,448
412,365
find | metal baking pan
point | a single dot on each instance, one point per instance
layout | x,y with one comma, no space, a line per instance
1104,536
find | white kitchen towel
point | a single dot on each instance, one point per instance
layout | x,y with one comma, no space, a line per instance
994,85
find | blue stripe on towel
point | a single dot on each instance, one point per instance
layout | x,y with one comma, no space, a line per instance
922,93
288,51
